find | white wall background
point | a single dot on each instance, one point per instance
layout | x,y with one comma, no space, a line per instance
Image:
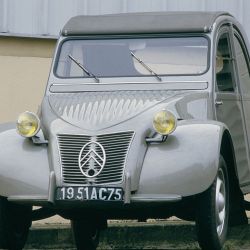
46,17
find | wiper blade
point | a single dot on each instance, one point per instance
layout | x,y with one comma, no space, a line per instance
83,68
146,66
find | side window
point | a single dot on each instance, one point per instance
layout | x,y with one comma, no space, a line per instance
242,67
224,65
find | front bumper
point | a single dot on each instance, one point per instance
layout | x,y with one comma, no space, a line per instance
129,197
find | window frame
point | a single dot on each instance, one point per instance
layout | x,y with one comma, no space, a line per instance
100,37
226,29
239,37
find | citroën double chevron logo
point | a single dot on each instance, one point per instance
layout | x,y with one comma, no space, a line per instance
92,159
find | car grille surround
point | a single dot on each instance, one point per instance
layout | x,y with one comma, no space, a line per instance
115,145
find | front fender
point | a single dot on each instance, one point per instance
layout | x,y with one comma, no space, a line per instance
24,167
187,163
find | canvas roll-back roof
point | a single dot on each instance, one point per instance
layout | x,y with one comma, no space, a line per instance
138,23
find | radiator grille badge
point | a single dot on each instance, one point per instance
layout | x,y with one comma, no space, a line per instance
92,159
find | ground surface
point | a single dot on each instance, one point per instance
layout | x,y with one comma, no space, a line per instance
54,233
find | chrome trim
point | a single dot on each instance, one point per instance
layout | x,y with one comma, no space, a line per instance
52,187
155,198
127,191
24,198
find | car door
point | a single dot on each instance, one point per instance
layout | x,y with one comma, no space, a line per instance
228,104
242,63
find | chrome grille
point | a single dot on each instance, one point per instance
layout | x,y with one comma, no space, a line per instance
116,146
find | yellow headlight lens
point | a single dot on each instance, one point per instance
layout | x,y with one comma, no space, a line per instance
164,122
28,124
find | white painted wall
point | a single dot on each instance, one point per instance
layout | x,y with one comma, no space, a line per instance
24,68
44,17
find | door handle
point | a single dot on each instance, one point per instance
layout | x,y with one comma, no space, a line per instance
218,103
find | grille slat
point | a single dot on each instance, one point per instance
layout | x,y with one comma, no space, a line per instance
71,156
77,139
70,147
121,141
116,148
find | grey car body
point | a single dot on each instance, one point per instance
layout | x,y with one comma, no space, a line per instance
117,111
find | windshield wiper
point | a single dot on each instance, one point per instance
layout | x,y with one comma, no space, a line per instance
146,66
83,68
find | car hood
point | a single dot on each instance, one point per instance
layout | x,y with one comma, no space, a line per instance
100,110
102,115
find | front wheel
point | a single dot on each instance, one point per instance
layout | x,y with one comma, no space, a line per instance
213,211
15,221
86,234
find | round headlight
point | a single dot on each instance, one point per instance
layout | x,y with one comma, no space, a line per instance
28,124
164,122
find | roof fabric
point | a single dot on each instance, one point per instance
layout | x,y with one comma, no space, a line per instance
147,22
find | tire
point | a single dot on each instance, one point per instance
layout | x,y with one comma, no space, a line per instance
213,211
86,234
15,221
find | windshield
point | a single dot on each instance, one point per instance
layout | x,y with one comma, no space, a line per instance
132,57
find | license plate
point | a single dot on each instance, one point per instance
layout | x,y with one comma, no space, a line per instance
89,193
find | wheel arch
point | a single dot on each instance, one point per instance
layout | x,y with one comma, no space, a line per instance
227,151
237,215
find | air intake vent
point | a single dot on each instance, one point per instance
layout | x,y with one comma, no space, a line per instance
115,146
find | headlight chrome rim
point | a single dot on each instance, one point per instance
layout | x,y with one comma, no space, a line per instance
34,120
164,122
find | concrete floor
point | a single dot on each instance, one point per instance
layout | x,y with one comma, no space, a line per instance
171,235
